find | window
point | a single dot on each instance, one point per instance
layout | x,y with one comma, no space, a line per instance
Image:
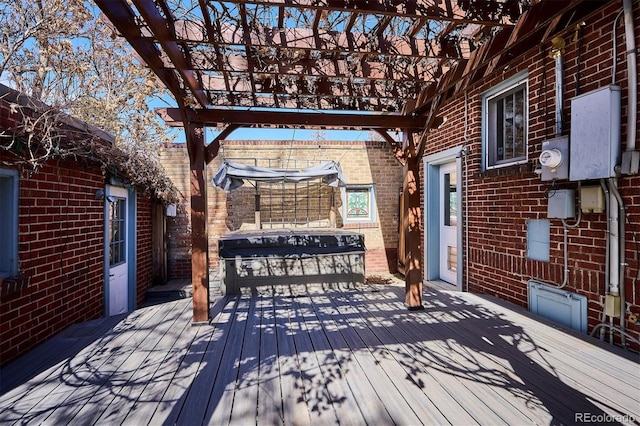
117,230
8,223
505,113
359,204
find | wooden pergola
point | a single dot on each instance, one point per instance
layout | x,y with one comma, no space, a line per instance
351,64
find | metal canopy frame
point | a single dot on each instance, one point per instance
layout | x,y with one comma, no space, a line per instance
355,64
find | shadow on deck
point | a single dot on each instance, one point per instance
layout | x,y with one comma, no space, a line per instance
324,355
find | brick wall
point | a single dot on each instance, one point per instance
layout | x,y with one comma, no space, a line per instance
144,246
361,162
175,160
61,234
501,201
61,255
60,251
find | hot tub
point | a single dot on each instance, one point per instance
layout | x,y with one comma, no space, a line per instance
251,259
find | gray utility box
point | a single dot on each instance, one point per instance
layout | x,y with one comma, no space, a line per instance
252,259
561,204
595,134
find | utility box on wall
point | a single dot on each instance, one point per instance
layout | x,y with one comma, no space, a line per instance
595,134
554,158
561,204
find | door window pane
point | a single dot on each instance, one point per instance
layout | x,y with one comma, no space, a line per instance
450,205
452,258
117,230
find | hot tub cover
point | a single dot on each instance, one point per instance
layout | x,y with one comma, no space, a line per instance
231,175
289,243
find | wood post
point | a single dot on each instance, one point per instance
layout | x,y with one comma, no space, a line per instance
413,232
199,243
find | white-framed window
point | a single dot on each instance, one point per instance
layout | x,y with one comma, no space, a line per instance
505,113
8,223
359,203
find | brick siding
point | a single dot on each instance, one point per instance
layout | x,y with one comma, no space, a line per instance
60,251
367,163
500,202
61,255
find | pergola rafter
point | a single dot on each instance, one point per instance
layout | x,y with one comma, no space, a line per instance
368,64
309,54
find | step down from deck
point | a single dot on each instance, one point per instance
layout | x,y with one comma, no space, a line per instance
173,289
181,288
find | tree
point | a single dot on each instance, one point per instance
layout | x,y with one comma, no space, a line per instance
61,53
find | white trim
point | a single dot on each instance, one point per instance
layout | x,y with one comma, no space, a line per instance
372,204
10,245
430,238
118,192
495,92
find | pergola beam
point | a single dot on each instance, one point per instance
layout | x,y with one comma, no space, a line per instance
210,117
410,9
165,34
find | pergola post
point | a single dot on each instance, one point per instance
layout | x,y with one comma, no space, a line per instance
199,243
413,233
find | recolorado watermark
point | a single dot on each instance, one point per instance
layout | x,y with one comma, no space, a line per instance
603,418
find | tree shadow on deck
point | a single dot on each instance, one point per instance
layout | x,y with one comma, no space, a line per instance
320,354
317,347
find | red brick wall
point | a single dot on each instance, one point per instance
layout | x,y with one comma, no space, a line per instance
60,251
175,161
501,201
144,247
370,162
61,256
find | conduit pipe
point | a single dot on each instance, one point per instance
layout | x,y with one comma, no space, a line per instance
622,214
607,263
465,151
632,75
565,228
622,332
556,54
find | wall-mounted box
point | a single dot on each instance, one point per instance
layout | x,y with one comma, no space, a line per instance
562,204
554,158
595,134
558,305
592,199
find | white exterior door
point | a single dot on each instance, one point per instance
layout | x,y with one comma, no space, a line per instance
448,222
118,287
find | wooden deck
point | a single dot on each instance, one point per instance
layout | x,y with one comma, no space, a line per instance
323,356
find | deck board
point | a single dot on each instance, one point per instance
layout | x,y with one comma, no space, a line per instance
371,406
170,353
269,390
409,358
331,392
294,404
579,386
63,390
245,398
325,354
117,364
368,352
462,401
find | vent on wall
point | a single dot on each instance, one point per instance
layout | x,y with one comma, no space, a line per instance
558,305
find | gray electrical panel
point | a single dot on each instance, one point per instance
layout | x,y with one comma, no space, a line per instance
595,134
561,204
